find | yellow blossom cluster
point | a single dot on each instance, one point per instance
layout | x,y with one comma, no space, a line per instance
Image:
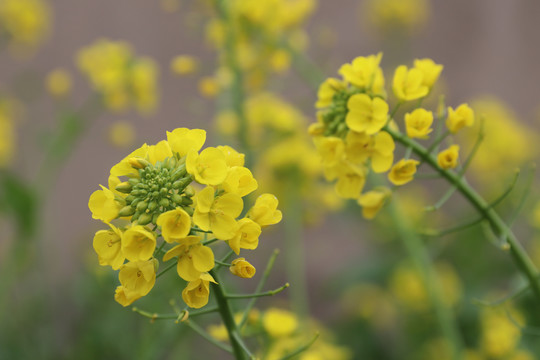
354,127
24,22
159,197
261,44
396,15
277,135
122,78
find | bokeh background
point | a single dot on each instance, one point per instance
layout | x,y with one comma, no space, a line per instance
488,49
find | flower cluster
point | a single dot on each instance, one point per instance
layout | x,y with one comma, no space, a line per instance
277,135
261,44
188,196
354,127
396,15
24,22
122,78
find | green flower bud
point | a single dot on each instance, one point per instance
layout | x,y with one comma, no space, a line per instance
152,205
126,211
164,202
124,187
176,198
142,206
155,217
129,199
163,191
134,181
189,191
186,201
188,209
144,219
138,163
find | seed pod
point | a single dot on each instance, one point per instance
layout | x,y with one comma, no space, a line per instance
126,211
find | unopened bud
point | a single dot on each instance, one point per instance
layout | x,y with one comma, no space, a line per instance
144,219
124,187
164,202
189,191
138,163
152,205
186,201
188,209
126,211
176,198
142,206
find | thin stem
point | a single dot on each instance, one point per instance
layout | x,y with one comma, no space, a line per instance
507,191
208,242
173,264
524,197
420,258
440,233
158,250
259,287
227,317
522,260
255,295
237,85
199,330
301,348
223,262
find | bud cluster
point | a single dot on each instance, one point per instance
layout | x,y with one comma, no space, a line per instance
159,188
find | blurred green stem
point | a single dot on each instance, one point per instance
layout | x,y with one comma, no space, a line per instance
519,255
228,319
237,92
422,262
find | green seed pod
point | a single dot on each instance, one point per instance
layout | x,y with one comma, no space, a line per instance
142,206
126,211
152,205
124,187
164,202
144,219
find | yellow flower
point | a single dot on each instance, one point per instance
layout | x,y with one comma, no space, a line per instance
103,205
138,243
125,297
121,134
108,246
462,116
351,180
373,201
246,237
265,211
209,167
430,70
418,123
159,152
448,159
403,171
196,293
280,61
279,323
500,336
327,90
58,82
241,268
364,72
124,168
182,140
137,279
232,157
366,114
184,64
239,181
25,21
378,148
175,224
409,84
331,149
193,258
208,87
217,214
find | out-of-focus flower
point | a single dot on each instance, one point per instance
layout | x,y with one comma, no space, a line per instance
121,134
184,65
58,82
25,22
396,16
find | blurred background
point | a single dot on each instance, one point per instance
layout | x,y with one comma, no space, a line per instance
56,302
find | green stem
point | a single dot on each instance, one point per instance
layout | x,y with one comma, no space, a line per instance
237,85
167,269
519,255
255,295
422,261
228,319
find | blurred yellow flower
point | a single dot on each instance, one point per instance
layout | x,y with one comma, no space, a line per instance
58,82
462,116
448,159
208,87
121,134
373,201
408,84
279,322
184,64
